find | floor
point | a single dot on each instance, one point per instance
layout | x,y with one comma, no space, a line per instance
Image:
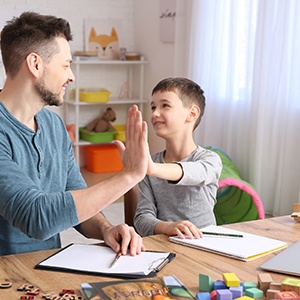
114,212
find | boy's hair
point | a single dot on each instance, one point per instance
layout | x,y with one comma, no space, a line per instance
188,91
31,32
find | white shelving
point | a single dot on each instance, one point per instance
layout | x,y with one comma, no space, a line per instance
134,73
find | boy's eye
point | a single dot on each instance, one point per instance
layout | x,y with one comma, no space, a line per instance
152,108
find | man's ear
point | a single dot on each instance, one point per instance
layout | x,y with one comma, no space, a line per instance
34,64
193,113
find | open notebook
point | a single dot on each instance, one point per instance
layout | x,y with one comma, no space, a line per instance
246,248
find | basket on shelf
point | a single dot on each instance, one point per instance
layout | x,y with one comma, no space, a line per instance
96,137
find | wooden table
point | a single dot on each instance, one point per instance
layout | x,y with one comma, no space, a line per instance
188,264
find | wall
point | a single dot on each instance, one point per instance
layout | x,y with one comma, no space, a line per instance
160,55
140,24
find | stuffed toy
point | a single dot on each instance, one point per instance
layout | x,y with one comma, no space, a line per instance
102,124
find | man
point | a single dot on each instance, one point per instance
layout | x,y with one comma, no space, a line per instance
41,189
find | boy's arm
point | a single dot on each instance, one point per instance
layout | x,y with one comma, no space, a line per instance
167,171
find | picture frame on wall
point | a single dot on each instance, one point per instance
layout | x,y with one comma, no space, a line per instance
103,36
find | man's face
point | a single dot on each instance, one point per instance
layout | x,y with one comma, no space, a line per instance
51,87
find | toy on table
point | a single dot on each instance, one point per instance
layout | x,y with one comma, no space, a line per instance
102,123
296,212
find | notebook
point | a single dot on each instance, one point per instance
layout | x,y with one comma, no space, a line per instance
242,246
97,260
286,262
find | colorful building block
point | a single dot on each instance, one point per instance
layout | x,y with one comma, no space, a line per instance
254,293
203,296
291,284
286,295
237,291
213,295
231,279
264,281
219,285
224,295
248,285
206,284
244,298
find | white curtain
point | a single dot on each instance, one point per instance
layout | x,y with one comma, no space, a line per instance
245,54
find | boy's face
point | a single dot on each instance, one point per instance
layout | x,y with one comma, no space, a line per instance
168,114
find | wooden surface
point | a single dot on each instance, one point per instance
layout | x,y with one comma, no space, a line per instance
188,264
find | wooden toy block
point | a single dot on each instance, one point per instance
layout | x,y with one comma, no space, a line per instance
5,284
254,293
237,291
296,212
264,281
220,284
291,284
248,285
244,298
275,286
203,296
206,284
231,279
286,295
213,295
271,294
224,295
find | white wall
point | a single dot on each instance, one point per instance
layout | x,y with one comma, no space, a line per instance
140,32
160,55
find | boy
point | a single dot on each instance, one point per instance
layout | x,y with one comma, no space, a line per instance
178,194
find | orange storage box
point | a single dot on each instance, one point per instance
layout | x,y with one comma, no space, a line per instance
103,158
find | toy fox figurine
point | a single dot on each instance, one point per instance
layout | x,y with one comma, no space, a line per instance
107,46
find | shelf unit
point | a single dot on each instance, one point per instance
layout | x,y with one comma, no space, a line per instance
81,62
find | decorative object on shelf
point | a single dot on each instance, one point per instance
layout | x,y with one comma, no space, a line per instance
125,92
102,124
123,53
94,95
102,36
133,56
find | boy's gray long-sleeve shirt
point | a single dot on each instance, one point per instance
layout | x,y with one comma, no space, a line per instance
192,198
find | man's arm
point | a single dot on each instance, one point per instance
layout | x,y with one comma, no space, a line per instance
117,237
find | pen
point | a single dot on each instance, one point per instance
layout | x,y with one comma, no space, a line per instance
118,255
222,234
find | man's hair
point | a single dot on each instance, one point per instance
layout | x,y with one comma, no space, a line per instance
187,90
31,32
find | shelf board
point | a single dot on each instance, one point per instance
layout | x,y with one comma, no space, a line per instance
110,102
96,61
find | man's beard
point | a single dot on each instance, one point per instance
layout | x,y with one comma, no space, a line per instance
48,97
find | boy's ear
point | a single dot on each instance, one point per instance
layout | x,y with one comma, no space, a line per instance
34,64
193,113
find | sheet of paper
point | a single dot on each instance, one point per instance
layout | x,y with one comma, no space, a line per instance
94,258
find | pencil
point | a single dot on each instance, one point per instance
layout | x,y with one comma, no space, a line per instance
222,234
118,255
